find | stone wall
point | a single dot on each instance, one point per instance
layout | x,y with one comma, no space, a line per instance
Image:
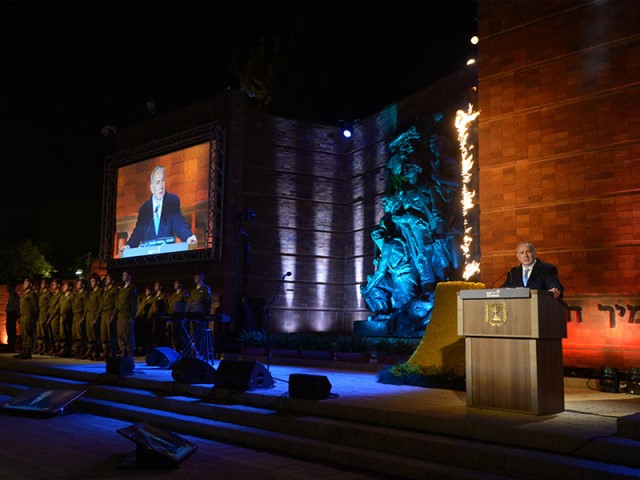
559,147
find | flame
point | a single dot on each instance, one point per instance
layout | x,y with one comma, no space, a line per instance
463,120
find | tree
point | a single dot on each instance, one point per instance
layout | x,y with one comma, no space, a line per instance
23,259
285,73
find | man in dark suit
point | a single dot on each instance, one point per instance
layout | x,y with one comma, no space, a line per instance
160,216
533,273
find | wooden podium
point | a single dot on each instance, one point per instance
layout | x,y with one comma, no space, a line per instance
513,349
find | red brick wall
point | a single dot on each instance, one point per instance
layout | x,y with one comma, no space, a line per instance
559,148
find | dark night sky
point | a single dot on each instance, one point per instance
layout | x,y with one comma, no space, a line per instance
69,68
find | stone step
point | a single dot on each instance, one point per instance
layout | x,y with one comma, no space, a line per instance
352,443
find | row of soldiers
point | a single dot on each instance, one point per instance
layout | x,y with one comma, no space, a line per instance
104,318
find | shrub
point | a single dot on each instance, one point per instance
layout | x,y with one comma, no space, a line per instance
283,340
420,376
396,346
353,343
315,341
252,338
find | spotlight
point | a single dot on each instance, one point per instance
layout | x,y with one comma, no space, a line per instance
347,128
633,382
609,379
474,40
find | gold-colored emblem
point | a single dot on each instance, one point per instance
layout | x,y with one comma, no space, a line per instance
495,314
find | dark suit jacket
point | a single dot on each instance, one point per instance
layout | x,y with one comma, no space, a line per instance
172,222
544,276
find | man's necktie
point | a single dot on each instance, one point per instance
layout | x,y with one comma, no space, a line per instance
525,277
156,218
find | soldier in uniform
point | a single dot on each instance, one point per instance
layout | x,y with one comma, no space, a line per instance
28,318
200,298
158,305
199,302
79,302
53,318
13,315
108,336
124,314
143,322
42,335
66,320
177,304
91,328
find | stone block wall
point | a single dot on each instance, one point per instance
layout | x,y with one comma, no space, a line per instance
559,145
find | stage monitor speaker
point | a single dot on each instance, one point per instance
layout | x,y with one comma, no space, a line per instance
310,387
163,357
192,370
156,447
41,401
121,366
242,375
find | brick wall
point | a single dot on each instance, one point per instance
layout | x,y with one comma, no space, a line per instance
559,145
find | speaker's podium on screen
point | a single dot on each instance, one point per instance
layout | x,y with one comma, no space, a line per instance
156,447
157,247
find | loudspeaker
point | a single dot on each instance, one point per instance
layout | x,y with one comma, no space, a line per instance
311,387
121,366
192,370
242,375
162,357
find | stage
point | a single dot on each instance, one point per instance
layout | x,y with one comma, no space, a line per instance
389,430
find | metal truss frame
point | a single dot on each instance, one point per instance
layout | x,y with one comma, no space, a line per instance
214,133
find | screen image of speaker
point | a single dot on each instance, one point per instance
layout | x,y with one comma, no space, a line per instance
242,375
192,370
120,366
163,357
310,387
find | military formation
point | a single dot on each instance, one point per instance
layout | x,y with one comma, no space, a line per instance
98,318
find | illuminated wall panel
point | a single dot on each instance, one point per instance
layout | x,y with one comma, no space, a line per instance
559,142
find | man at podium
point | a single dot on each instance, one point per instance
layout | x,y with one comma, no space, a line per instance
160,217
533,273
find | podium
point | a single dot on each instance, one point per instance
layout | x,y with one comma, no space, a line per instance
513,349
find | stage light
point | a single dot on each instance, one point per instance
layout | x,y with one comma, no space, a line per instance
347,128
609,381
633,382
474,40
471,61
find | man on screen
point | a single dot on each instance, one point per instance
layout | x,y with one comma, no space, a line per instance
160,216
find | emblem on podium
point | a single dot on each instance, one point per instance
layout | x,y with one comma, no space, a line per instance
495,314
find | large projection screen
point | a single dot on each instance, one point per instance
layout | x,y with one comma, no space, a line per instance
193,163
184,204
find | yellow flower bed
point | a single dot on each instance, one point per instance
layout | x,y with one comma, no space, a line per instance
441,346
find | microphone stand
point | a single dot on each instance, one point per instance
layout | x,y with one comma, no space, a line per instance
268,314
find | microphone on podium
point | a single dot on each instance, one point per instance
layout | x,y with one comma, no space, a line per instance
288,274
501,276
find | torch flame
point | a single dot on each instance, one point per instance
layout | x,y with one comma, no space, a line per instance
463,120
